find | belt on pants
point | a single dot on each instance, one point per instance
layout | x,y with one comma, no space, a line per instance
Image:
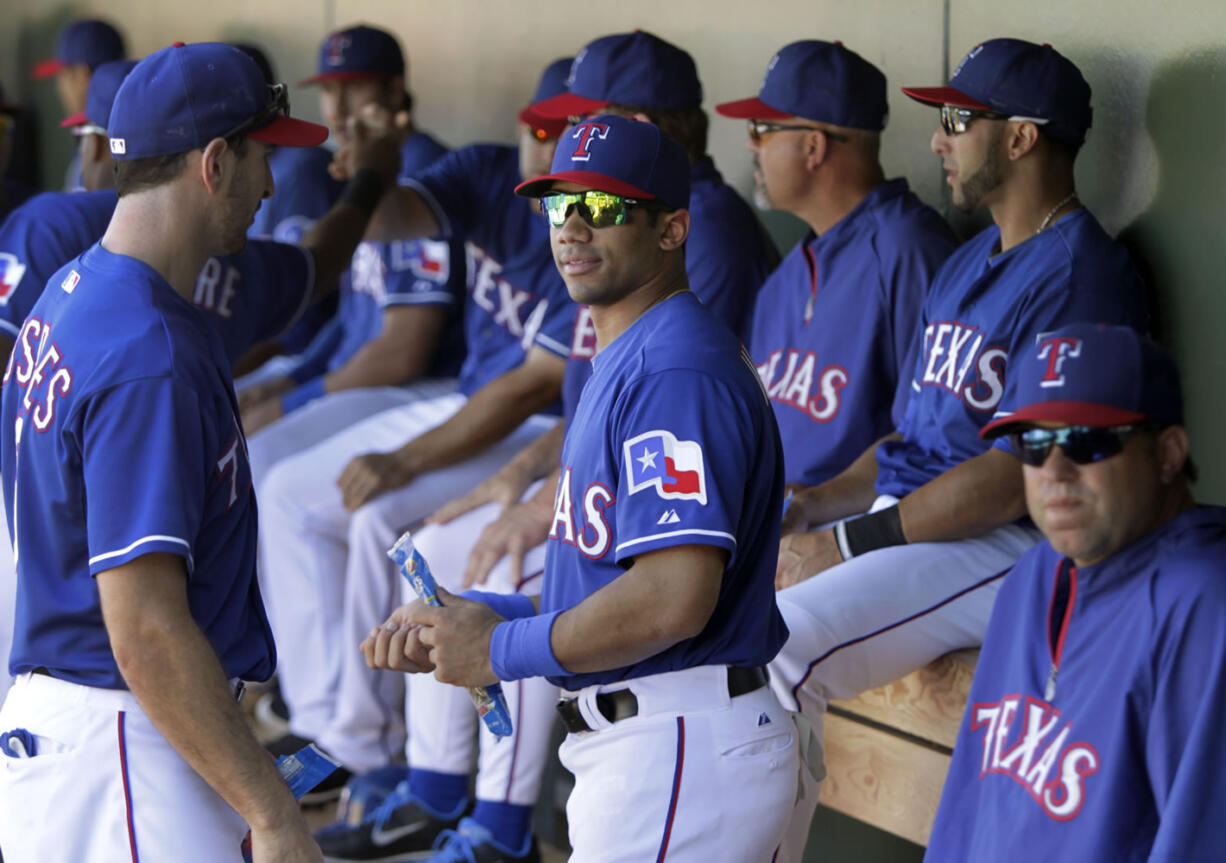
622,703
237,687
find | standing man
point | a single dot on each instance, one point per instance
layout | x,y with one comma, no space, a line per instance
131,506
1093,726
915,577
834,324
83,46
658,634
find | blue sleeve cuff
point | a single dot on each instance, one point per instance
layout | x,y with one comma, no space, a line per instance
523,648
512,606
308,392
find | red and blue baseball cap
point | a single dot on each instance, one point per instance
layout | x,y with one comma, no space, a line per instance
1019,79
103,85
87,41
553,82
620,155
180,98
357,54
822,81
1094,375
638,69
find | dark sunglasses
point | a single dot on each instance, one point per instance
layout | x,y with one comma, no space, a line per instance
598,209
758,128
278,105
1080,444
955,120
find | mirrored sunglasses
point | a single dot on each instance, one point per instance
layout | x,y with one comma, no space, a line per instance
1080,444
758,128
597,209
278,104
955,120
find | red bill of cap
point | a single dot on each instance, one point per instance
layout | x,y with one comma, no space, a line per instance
291,132
545,128
750,109
1066,413
944,96
49,68
340,76
539,186
565,105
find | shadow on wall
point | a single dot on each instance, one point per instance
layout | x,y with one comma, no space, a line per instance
1181,238
36,41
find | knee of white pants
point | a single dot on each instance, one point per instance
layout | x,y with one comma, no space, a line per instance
297,497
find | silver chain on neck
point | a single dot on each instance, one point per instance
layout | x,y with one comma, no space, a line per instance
1047,219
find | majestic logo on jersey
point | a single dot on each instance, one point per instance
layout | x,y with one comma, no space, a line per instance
956,358
511,308
800,385
11,271
36,360
337,45
587,134
592,536
428,259
215,287
70,282
583,337
674,468
1025,740
1056,350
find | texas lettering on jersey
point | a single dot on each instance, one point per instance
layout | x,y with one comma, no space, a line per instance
592,535
511,308
956,359
1024,739
792,378
583,337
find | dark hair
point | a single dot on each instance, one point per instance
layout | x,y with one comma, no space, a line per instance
1190,471
1060,147
686,126
137,175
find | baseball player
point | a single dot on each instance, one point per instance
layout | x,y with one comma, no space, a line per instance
344,501
658,633
398,319
1093,727
726,260
82,46
915,577
131,506
834,325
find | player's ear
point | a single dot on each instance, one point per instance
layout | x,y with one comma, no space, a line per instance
214,165
816,145
674,228
1172,445
1022,138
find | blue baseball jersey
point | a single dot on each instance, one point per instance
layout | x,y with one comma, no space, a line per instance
672,443
253,296
119,437
727,258
38,238
516,298
383,275
834,324
986,308
1093,731
304,191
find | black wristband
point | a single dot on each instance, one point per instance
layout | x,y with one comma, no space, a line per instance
870,532
364,190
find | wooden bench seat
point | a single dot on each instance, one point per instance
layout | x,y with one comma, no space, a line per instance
887,752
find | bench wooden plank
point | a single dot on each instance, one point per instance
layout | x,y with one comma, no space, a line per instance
927,703
881,779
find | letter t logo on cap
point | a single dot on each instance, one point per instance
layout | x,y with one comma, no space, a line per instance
1056,350
587,134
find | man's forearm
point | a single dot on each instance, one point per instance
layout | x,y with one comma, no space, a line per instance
540,458
403,215
176,677
977,496
382,362
849,493
490,415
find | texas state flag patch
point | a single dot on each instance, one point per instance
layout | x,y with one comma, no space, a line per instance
428,259
674,468
11,271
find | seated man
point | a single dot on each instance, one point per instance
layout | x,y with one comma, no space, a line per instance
916,576
1094,726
